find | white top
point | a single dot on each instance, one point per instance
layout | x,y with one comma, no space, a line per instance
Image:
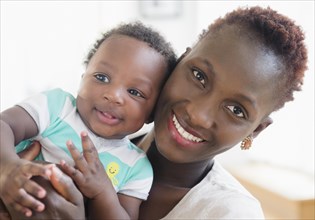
218,196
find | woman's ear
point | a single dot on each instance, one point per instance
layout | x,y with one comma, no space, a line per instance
188,49
262,126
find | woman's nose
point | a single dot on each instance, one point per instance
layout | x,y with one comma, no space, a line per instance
114,95
202,113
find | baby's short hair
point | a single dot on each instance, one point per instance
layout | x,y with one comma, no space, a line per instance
142,33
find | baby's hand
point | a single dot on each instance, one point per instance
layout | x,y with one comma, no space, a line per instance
89,174
18,190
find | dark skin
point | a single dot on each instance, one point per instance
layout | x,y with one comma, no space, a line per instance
28,154
175,188
54,201
63,199
224,103
211,102
19,171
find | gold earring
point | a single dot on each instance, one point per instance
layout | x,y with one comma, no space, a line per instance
247,142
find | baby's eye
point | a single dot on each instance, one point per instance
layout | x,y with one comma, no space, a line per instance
101,77
236,110
135,92
200,76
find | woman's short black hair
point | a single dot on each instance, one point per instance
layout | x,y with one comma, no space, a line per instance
278,32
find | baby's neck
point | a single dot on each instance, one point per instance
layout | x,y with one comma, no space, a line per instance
184,175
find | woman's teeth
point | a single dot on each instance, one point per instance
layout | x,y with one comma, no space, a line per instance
184,133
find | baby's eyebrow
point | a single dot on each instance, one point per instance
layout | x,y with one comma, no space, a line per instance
145,84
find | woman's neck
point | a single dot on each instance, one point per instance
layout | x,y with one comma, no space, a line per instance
184,175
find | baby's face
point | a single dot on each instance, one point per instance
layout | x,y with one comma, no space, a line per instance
120,87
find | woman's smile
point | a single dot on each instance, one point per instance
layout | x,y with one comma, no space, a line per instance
181,135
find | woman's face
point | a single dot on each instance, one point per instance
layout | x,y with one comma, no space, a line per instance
220,92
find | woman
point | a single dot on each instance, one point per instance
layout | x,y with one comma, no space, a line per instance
244,67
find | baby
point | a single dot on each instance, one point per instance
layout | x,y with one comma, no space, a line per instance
125,71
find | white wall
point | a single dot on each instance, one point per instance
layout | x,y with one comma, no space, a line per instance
43,44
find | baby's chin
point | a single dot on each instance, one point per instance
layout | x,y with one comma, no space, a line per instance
110,135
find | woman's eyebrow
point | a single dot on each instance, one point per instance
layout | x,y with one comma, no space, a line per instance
247,99
209,66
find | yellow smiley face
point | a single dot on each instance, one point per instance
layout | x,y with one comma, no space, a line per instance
112,169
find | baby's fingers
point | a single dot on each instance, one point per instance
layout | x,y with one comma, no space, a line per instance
24,203
34,169
75,174
18,208
89,150
34,189
78,158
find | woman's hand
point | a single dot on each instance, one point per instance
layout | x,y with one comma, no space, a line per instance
31,152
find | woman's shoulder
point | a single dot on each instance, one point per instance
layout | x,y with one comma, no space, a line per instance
218,196
221,180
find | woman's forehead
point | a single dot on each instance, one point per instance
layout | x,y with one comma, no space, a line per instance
230,50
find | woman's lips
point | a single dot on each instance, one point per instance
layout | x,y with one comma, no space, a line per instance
107,118
185,134
182,136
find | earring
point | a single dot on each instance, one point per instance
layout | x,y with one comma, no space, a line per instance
247,142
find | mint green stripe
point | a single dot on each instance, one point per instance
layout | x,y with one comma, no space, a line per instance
143,169
61,135
55,100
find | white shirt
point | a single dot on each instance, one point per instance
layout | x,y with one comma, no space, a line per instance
218,196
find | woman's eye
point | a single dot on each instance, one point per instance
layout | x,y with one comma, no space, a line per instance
135,92
236,111
199,76
102,78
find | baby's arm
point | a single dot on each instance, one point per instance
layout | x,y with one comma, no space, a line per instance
93,182
17,189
